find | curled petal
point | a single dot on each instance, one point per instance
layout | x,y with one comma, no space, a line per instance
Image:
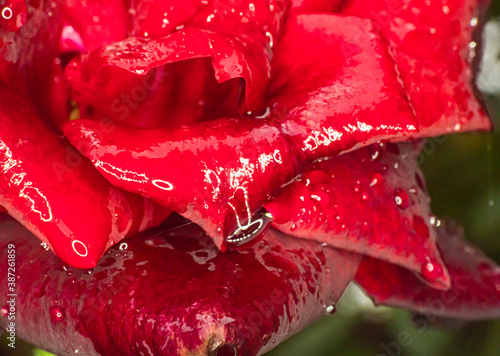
172,292
229,166
475,282
191,75
58,195
371,201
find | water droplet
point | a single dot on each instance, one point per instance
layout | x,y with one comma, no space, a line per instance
44,246
484,267
474,21
270,39
375,152
123,246
401,198
431,270
377,178
330,309
57,314
13,15
251,231
322,198
4,310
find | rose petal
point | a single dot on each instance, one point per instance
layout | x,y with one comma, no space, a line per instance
244,161
254,22
236,43
333,75
57,194
200,73
217,173
315,6
475,281
96,22
13,15
37,38
371,201
172,292
157,18
434,48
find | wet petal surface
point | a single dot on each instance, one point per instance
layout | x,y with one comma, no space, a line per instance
435,48
57,194
372,201
174,293
475,281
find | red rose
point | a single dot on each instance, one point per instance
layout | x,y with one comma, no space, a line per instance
288,131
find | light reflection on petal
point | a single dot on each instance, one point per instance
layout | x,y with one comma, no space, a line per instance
39,203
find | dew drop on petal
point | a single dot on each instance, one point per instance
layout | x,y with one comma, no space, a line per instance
431,270
401,198
375,152
57,314
330,309
270,39
377,178
322,198
13,15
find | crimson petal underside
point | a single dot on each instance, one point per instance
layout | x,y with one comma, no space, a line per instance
475,281
174,293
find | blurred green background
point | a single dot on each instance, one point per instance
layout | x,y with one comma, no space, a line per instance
463,177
